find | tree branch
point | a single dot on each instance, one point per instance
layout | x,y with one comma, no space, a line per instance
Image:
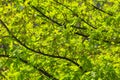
75,14
27,63
102,10
39,52
46,16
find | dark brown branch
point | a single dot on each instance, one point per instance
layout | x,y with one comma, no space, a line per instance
46,16
39,52
102,10
27,63
56,22
81,34
75,14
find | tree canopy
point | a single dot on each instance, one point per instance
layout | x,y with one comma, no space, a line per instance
59,39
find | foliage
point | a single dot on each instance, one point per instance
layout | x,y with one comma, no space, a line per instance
59,39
